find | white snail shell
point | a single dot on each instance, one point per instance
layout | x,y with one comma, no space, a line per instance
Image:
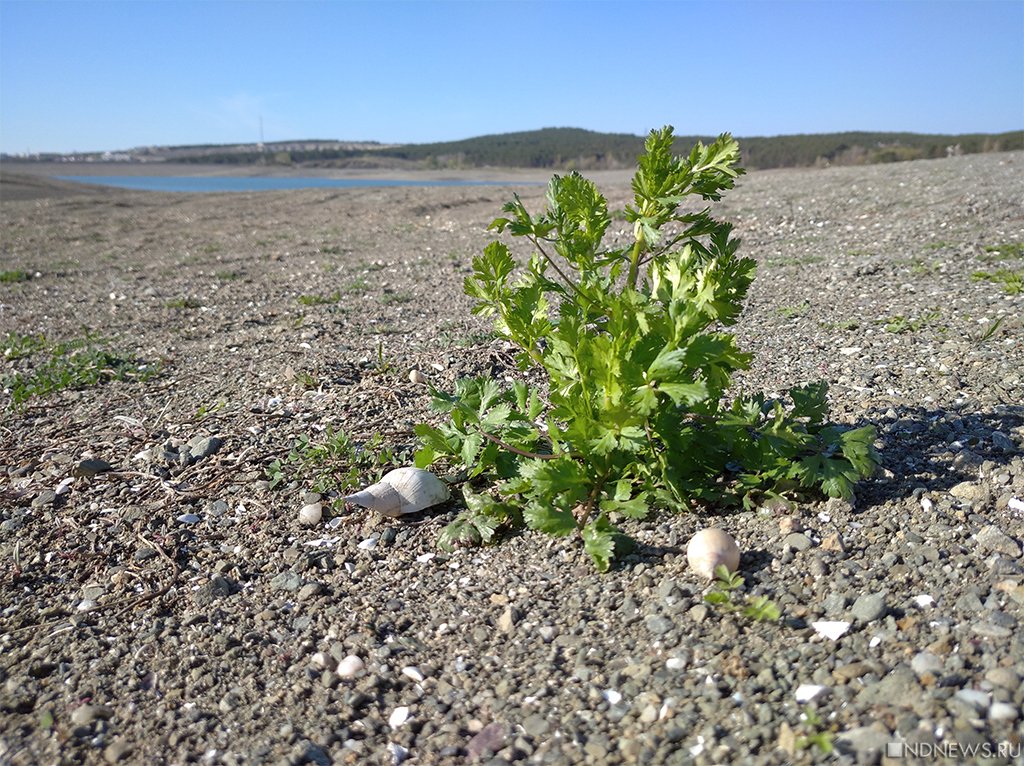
311,514
415,376
710,548
349,666
403,490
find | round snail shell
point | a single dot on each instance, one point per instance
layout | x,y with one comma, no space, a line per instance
311,514
415,376
403,490
709,548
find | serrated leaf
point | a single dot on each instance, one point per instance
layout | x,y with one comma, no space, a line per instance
550,520
634,508
599,542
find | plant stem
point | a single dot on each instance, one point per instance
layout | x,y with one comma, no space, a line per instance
516,450
591,499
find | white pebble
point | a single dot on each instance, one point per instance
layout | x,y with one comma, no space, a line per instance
349,666
926,504
334,523
832,629
310,515
417,377
320,659
675,663
1016,504
398,717
368,544
413,672
86,605
1002,711
398,753
613,697
807,692
423,558
924,600
188,518
63,487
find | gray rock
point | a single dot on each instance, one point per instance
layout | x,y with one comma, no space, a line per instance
289,581
973,697
1004,677
86,714
797,541
988,629
658,625
992,538
926,662
864,741
869,607
44,498
1003,442
91,467
1003,711
536,725
217,587
202,447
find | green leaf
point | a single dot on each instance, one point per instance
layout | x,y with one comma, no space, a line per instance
599,542
550,520
634,508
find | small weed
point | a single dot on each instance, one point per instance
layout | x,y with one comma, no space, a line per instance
847,324
383,365
816,737
1008,251
900,324
395,299
792,312
319,300
228,276
211,248
332,250
1012,281
51,367
206,411
305,380
919,267
184,303
335,463
15,275
938,245
358,286
988,332
758,608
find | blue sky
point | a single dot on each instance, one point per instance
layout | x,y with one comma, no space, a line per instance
82,75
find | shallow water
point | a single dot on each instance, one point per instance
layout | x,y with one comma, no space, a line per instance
265,183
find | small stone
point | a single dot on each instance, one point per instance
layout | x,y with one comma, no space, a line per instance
398,717
866,741
508,619
288,581
91,467
967,490
349,666
790,524
987,629
869,607
832,629
797,541
44,498
308,591
851,670
1003,711
86,714
93,592
807,692
413,672
926,663
992,538
1003,442
188,518
490,739
536,726
698,613
1006,678
787,739
658,625
976,699
203,446
833,543
116,751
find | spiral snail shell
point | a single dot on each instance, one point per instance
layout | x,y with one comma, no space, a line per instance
710,548
401,491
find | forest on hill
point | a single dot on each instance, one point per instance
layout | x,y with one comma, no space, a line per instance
573,149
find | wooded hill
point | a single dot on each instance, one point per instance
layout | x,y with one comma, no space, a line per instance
575,148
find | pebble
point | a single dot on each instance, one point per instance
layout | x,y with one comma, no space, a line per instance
490,739
1003,711
833,629
202,447
349,666
86,714
287,581
926,662
188,518
797,541
398,717
869,607
976,699
993,539
92,467
658,625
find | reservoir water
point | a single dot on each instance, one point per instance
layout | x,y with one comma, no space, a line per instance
265,183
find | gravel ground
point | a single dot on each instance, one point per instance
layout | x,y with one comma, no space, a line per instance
161,603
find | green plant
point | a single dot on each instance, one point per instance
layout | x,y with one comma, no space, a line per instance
319,300
759,608
816,736
184,303
358,286
1006,251
792,312
900,324
637,366
334,463
395,299
1012,281
15,275
46,367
